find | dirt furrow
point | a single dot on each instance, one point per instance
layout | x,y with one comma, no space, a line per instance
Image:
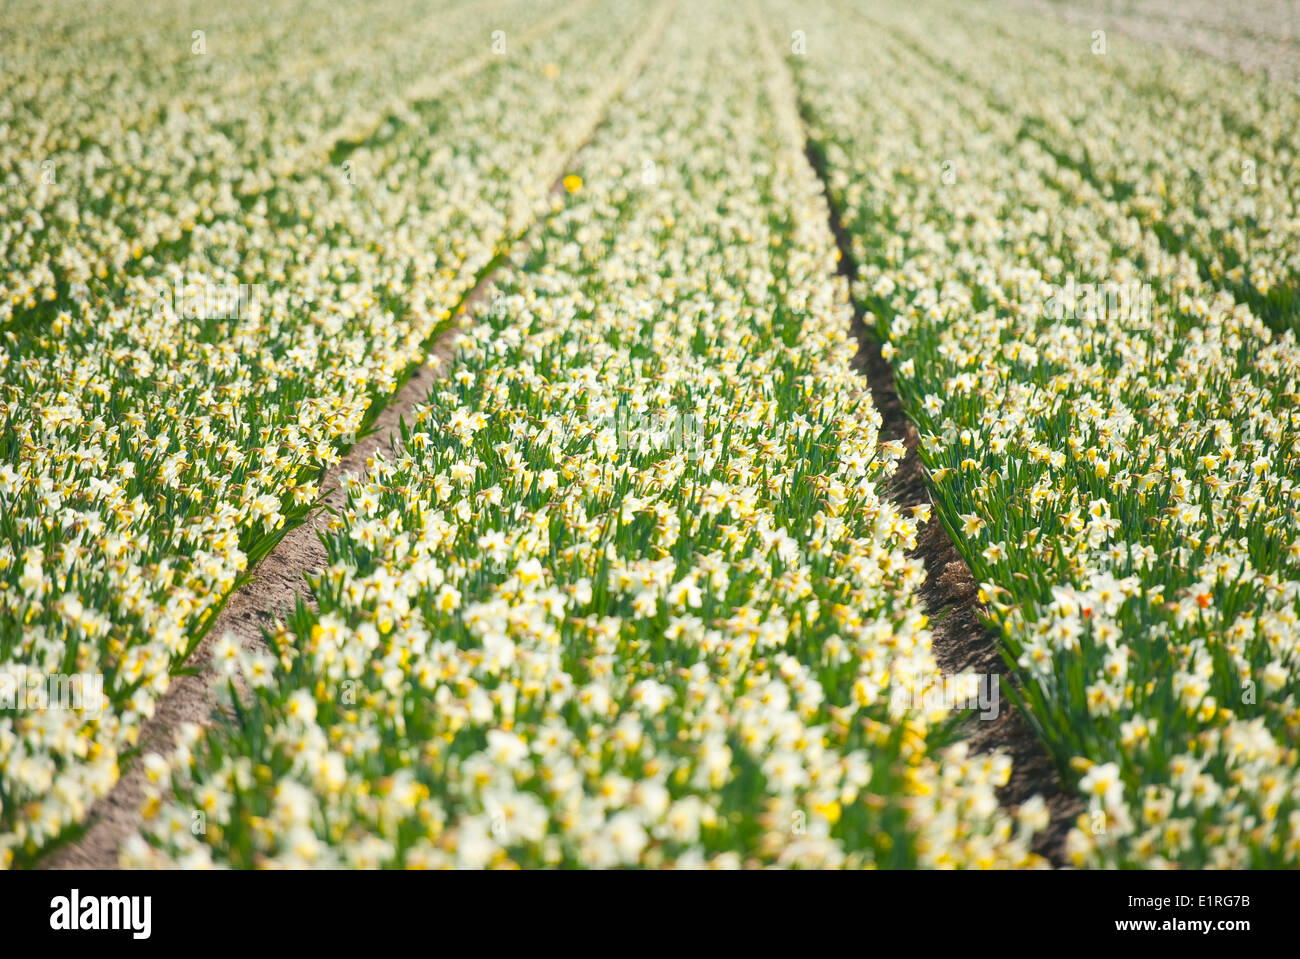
961,639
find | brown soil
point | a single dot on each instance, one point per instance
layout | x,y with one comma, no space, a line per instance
962,640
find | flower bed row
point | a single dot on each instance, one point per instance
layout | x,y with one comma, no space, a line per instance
1122,482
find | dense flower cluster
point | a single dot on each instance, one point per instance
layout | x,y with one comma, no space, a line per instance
1124,485
628,593
156,435
1218,180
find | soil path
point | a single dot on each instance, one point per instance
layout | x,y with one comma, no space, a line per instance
961,639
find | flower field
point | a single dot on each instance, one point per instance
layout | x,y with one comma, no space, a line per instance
634,583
